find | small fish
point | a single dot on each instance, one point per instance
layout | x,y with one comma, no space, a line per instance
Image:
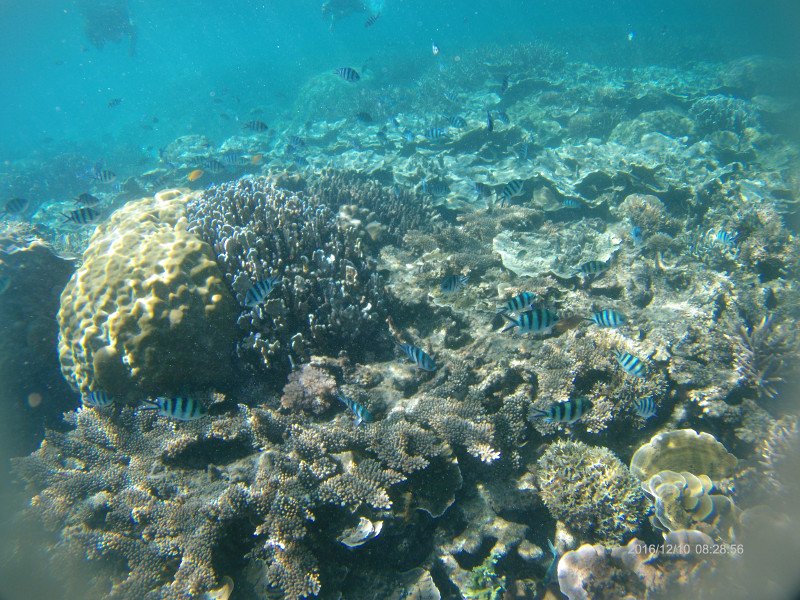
86,199
260,290
419,357
195,175
114,102
104,176
637,235
348,74
608,318
434,49
15,206
592,268
435,188
408,135
631,35
536,320
372,19
483,190
359,410
631,364
504,85
563,412
257,126
5,283
523,151
97,399
212,165
256,159
180,408
458,122
234,159
645,407
453,283
725,238
435,133
511,190
503,117
296,142
489,121
81,216
571,203
519,302
364,117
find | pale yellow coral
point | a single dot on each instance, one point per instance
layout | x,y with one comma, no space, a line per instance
148,311
683,450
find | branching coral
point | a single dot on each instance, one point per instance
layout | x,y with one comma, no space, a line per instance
762,355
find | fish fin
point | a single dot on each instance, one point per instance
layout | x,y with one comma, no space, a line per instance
552,548
511,322
149,404
539,412
358,420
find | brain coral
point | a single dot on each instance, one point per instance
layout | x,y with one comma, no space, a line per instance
148,310
590,490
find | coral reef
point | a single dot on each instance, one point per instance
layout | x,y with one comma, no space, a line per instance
147,289
715,113
763,353
683,450
590,490
312,386
330,298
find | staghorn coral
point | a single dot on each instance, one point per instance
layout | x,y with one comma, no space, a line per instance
590,490
763,353
330,298
147,289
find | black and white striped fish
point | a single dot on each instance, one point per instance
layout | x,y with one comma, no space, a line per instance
212,165
563,412
645,407
234,159
97,399
180,408
419,357
608,318
81,216
104,176
348,74
256,125
536,320
726,238
571,203
86,199
519,302
435,133
631,364
359,410
260,290
15,206
453,283
511,190
592,267
372,19
457,122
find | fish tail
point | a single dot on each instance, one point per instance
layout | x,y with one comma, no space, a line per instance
538,412
511,322
149,404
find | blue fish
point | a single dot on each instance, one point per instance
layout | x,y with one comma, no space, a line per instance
631,364
457,122
571,203
435,133
563,412
348,74
259,292
435,188
536,320
97,399
519,302
725,238
503,117
483,190
453,283
608,318
419,357
359,410
511,190
15,206
645,407
180,408
637,235
81,216
408,135
592,268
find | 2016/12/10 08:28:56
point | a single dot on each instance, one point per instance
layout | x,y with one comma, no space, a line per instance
683,549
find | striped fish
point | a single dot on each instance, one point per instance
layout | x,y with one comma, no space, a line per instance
82,216
571,203
180,408
435,188
212,165
348,74
97,399
453,283
15,206
563,412
536,320
457,122
503,117
234,159
372,19
632,365
259,292
359,410
419,357
512,189
645,407
725,238
87,199
608,318
517,303
483,190
504,85
256,125
489,121
104,176
435,133
592,268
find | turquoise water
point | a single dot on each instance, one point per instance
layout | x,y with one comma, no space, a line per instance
399,299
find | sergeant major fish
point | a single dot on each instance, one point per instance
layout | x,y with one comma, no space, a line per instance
359,410
97,399
419,357
453,283
536,320
258,293
631,364
645,407
15,206
608,318
592,268
81,216
348,74
180,408
511,190
519,302
564,412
